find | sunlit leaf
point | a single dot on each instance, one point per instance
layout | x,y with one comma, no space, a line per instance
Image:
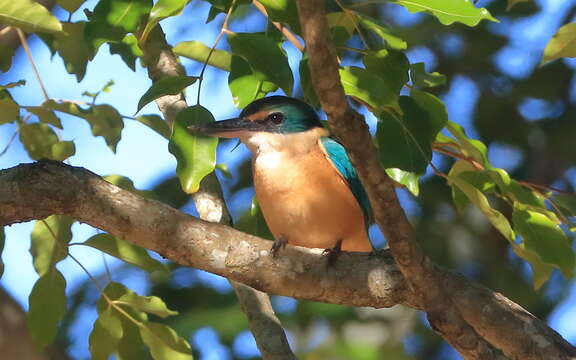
196,154
123,250
545,238
105,335
29,16
421,79
156,123
449,11
408,179
368,87
170,85
247,85
9,109
265,56
47,305
164,343
390,39
128,49
46,116
471,147
41,142
161,10
196,50
104,120
148,304
562,44
49,242
540,270
283,11
390,65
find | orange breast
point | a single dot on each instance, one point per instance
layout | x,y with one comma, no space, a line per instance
306,200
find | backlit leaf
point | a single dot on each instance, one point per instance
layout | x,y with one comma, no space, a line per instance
540,270
196,154
471,147
390,39
252,222
408,179
264,56
164,343
156,123
421,79
9,109
41,142
390,65
161,10
368,87
29,16
196,50
6,56
562,44
123,250
46,116
73,48
49,241
283,11
148,304
47,305
128,49
105,335
545,238
247,85
449,11
170,85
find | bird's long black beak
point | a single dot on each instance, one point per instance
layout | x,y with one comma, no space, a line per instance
226,128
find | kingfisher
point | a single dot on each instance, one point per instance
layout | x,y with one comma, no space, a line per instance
308,191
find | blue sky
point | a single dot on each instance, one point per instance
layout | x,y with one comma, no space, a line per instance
142,155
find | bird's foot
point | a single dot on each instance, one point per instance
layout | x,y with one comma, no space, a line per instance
333,253
279,243
378,252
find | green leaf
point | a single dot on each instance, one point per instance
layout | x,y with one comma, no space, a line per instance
247,85
368,88
70,5
113,19
9,109
540,271
475,196
347,21
283,11
41,142
566,202
6,56
148,304
422,79
406,142
545,238
264,56
161,10
252,222
408,179
13,84
196,154
390,65
372,25
28,16
47,305
449,11
46,116
73,49
127,184
105,335
164,343
170,85
49,242
155,123
123,250
104,120
562,44
128,49
196,50
470,147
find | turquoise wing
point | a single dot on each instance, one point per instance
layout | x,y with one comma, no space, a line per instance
339,158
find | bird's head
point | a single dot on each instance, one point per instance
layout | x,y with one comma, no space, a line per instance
274,114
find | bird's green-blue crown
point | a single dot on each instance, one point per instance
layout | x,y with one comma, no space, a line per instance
282,114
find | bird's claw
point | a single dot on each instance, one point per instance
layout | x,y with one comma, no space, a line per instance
333,253
279,243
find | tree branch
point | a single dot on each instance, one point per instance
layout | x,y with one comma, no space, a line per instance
441,302
210,204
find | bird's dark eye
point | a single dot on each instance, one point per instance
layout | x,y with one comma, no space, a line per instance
276,117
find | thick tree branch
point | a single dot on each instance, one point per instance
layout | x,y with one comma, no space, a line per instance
469,335
34,191
210,204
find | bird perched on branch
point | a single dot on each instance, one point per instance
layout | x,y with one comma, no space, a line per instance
309,193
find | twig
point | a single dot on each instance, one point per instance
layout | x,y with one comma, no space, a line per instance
12,138
283,29
29,55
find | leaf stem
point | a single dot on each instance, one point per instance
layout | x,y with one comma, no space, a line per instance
289,35
24,43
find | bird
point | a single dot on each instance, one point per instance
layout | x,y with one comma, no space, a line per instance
308,191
